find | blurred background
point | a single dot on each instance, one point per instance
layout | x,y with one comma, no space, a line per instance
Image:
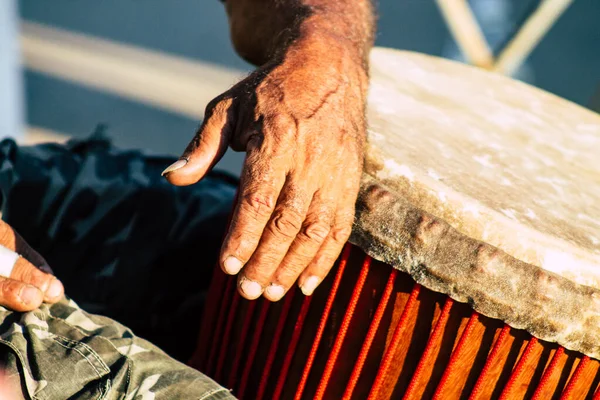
566,62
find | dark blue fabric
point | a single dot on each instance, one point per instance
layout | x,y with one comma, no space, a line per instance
126,243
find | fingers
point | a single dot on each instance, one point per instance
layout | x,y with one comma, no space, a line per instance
279,233
26,271
320,265
207,147
315,229
261,182
50,287
19,296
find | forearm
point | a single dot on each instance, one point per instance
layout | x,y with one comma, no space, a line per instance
264,29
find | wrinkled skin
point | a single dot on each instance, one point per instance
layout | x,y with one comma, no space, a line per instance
300,121
31,281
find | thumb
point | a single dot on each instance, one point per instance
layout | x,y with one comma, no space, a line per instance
207,147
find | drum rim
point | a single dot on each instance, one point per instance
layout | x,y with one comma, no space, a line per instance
495,284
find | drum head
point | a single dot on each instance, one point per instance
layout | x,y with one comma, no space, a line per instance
486,189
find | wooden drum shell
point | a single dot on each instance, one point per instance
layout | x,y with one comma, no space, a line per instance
371,332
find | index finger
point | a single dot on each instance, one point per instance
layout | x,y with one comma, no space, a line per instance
262,180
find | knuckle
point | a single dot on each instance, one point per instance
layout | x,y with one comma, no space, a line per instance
341,233
9,289
316,231
35,277
216,106
255,142
287,223
259,205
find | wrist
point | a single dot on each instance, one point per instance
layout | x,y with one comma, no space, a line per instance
327,55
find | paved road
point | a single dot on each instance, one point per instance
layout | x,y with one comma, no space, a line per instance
566,63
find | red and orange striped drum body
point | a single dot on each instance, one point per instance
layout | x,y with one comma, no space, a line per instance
371,332
479,201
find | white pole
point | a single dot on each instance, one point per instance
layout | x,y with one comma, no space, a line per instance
11,81
530,34
466,32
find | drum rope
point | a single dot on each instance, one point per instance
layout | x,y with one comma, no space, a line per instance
373,328
597,394
491,359
323,322
339,340
454,358
287,362
200,356
231,381
433,340
227,335
258,329
518,371
566,394
391,350
548,374
287,303
216,295
220,325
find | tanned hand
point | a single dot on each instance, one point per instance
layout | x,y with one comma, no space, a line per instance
300,119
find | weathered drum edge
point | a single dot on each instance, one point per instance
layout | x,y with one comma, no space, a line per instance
494,283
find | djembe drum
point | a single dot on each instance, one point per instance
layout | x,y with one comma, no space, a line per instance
475,270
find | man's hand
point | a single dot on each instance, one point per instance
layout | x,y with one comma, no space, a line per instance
300,119
31,281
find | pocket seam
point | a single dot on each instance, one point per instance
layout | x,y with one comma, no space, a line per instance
91,351
99,337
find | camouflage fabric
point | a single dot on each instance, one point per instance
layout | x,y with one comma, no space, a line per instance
127,245
62,352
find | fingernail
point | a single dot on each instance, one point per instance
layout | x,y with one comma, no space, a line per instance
175,166
251,289
232,265
46,268
274,292
55,290
30,295
309,285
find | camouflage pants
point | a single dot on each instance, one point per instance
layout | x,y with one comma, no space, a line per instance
128,246
62,352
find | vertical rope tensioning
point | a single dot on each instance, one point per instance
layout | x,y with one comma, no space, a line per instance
227,335
364,351
597,394
289,354
489,362
216,293
339,340
456,354
209,319
518,371
548,373
323,322
393,346
221,321
260,324
287,303
428,352
233,373
583,363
